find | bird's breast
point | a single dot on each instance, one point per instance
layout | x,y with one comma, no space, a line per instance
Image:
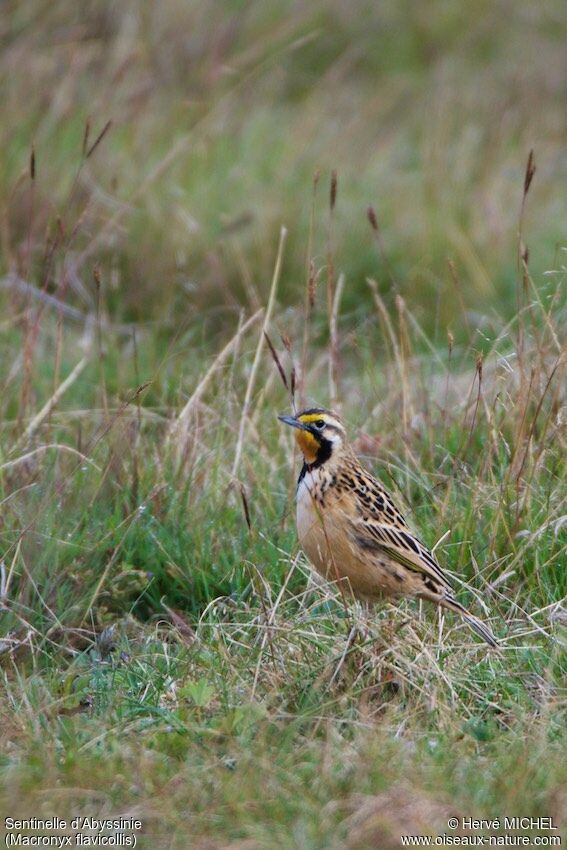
310,500
317,517
324,512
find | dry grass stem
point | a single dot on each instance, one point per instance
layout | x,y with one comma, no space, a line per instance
258,354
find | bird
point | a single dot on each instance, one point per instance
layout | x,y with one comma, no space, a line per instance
351,530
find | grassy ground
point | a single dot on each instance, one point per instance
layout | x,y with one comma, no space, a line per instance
164,652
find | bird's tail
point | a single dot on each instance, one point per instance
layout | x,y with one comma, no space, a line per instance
475,624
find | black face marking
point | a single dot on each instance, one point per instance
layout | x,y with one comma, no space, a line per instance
320,424
324,452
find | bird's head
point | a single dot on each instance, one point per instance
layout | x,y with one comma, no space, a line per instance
320,434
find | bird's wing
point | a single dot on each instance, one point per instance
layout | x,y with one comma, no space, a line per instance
373,500
380,536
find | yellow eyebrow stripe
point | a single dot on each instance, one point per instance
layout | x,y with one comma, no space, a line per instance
313,417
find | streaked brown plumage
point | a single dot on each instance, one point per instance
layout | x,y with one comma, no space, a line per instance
351,530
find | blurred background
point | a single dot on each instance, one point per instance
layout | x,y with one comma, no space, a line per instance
163,650
222,112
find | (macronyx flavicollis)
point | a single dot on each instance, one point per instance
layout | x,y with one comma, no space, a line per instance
351,530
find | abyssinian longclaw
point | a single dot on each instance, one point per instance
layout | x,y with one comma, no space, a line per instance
350,528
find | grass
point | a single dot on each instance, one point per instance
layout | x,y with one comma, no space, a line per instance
164,650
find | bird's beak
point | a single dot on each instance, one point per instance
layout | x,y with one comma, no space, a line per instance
295,423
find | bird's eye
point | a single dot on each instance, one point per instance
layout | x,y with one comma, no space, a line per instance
320,423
